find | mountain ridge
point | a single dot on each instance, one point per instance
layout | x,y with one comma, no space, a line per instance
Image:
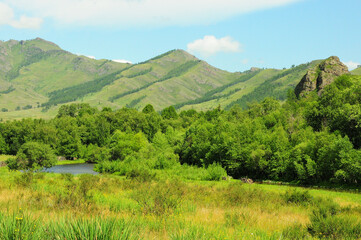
37,76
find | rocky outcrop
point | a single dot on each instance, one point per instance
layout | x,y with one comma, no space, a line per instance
322,75
254,69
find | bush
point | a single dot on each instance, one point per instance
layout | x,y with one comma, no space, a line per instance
298,197
32,156
121,168
95,154
166,160
327,222
25,179
141,175
76,192
215,172
186,171
161,198
237,195
12,163
87,182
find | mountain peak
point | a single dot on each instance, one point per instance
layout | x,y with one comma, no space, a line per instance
321,75
42,43
175,55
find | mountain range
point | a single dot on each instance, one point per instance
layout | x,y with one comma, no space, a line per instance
37,76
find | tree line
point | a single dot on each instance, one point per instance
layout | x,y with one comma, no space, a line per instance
308,140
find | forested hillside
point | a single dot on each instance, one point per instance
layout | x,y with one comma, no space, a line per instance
314,139
37,77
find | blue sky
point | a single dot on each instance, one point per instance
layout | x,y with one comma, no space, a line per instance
230,34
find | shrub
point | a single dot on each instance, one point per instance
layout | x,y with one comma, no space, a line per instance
186,171
327,222
166,160
160,198
25,179
295,232
95,154
76,192
298,197
32,156
87,182
215,172
141,175
236,195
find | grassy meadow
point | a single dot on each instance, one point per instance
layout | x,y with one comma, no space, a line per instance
162,205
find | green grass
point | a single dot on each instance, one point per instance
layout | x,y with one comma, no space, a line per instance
63,206
21,225
67,162
356,71
3,158
234,92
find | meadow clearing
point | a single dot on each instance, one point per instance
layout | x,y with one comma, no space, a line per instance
162,205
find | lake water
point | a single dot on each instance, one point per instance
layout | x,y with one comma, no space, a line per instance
80,168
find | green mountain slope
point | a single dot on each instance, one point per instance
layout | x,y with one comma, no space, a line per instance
252,86
36,77
356,71
34,68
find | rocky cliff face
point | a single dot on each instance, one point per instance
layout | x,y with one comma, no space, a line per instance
322,75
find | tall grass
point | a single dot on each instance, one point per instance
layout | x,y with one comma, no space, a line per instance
327,221
168,206
93,228
160,198
19,226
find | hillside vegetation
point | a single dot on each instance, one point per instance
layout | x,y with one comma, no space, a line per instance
314,139
356,71
36,77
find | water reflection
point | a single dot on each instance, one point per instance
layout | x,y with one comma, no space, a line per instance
80,168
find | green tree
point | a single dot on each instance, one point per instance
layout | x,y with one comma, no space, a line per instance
169,113
4,148
32,156
123,144
148,109
69,141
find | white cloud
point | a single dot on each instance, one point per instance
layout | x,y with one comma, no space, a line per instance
210,45
91,57
7,18
245,61
6,14
121,61
127,13
27,22
351,65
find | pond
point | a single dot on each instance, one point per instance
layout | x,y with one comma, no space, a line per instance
80,168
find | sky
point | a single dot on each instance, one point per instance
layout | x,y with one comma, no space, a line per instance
233,35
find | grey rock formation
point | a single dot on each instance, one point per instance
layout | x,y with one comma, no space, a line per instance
322,75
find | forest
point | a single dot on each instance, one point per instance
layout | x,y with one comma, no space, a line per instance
311,140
